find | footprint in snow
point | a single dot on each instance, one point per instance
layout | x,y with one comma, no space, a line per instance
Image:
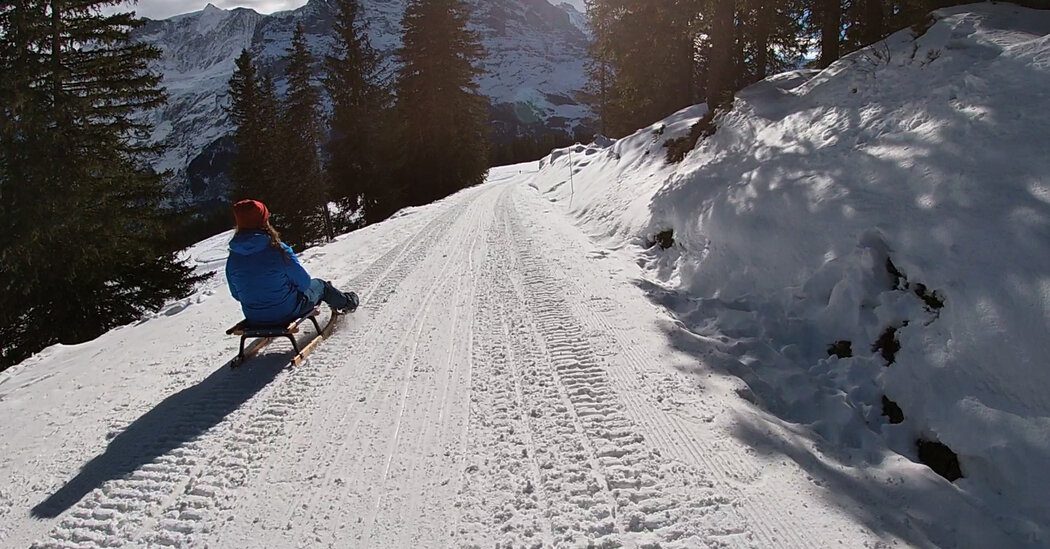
598,254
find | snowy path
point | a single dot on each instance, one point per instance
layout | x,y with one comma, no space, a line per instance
505,384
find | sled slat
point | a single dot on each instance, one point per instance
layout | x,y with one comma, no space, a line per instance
242,328
263,336
326,333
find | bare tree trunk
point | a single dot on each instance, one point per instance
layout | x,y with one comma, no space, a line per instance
874,22
723,35
739,67
830,30
763,23
56,48
603,84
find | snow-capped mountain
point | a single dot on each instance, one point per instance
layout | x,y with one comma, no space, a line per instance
533,69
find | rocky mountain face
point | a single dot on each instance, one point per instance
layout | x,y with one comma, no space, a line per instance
533,71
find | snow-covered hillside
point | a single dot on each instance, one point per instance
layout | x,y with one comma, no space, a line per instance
900,198
533,69
504,384
531,367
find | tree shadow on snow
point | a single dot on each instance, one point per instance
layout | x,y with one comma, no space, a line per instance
927,522
912,508
960,184
173,423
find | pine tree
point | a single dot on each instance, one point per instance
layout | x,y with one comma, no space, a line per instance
83,229
762,16
441,114
642,61
772,37
301,207
249,173
359,109
721,82
873,22
600,15
269,120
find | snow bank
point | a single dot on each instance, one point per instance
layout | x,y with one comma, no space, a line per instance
899,198
610,184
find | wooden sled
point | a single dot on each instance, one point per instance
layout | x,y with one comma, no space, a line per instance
262,336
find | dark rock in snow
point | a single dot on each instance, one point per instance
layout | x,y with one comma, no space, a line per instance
664,239
841,349
940,458
892,411
887,345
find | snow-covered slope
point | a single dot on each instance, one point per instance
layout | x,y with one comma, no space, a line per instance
514,381
533,67
899,198
199,51
503,385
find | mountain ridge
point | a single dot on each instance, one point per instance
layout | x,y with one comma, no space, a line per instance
532,71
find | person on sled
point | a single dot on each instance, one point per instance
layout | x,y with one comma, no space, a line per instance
266,277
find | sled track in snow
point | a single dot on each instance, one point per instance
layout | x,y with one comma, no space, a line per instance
503,464
441,407
168,500
766,524
384,390
552,447
568,466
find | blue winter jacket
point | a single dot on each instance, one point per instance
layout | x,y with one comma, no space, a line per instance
268,284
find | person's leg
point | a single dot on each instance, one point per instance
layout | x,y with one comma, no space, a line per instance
315,294
334,298
311,299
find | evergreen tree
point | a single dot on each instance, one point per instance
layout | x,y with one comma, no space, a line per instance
250,177
872,22
771,37
358,144
643,58
83,232
271,155
253,109
721,82
761,21
598,92
441,115
301,206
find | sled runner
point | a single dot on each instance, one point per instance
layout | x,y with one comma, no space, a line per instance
264,335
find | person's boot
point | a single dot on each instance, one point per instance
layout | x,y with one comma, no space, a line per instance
353,302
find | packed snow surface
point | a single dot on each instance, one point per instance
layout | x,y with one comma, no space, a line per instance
903,194
505,382
531,368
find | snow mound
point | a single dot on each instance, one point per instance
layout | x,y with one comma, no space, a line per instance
867,240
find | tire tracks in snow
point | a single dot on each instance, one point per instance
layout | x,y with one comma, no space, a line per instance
566,464
304,384
765,524
502,500
412,376
352,441
168,500
454,378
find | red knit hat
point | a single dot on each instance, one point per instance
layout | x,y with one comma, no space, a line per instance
251,214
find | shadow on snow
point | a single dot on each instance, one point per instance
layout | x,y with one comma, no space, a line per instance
176,421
